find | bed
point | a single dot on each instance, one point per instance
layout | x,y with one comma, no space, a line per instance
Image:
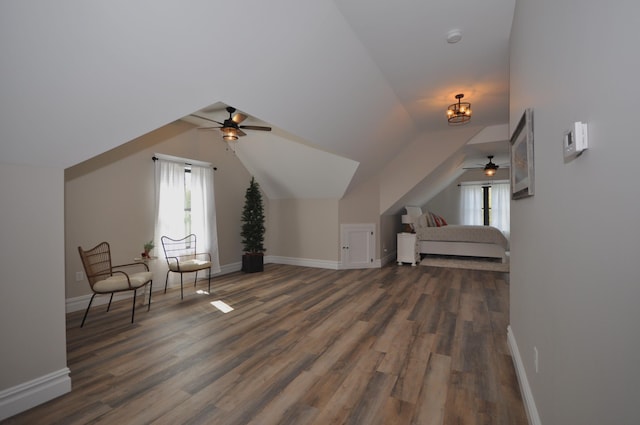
435,236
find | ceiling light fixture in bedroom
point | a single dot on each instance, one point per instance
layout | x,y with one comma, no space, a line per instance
459,113
491,168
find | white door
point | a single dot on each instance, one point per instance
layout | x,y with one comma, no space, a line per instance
357,245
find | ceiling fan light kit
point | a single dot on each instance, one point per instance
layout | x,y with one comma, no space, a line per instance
230,128
229,134
459,113
491,168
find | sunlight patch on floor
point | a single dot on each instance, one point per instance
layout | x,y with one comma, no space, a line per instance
222,306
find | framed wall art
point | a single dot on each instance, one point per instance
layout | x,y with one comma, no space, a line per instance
522,170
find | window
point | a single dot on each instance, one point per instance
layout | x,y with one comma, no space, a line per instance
485,205
185,203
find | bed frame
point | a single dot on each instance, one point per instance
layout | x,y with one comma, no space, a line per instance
466,249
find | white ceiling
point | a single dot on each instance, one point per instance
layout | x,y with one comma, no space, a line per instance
407,42
349,85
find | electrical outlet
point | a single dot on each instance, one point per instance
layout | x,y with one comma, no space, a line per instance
535,358
79,276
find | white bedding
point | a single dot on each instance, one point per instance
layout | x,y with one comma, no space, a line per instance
462,233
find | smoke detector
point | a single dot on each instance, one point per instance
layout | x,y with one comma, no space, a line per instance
454,36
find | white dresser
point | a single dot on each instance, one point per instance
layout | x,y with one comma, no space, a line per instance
407,249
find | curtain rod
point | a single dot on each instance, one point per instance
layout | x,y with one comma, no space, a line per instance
182,160
482,183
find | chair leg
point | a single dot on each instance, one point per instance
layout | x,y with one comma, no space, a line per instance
133,308
87,312
181,291
110,299
209,279
150,291
195,281
166,280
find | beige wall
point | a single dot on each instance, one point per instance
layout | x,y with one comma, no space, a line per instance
304,229
361,205
32,316
111,197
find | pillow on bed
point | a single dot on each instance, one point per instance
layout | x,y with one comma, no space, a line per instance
439,220
429,219
431,222
421,221
434,220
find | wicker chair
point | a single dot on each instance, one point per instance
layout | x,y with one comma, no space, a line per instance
182,257
105,280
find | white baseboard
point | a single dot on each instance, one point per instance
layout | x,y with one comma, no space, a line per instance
525,389
229,268
376,264
304,262
319,264
37,391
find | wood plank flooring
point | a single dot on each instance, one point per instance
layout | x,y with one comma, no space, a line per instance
397,345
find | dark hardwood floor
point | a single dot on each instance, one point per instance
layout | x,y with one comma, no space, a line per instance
397,345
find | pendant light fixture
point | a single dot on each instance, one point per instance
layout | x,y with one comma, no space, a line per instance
459,113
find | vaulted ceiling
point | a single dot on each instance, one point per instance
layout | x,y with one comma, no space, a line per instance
407,41
348,85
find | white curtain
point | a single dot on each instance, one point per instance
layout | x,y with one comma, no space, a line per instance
170,206
169,177
203,213
471,204
500,207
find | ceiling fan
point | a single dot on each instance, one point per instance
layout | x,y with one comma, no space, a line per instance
231,128
490,168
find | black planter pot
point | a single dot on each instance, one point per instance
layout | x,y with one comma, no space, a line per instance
252,263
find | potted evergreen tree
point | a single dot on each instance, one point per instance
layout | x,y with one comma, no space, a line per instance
253,229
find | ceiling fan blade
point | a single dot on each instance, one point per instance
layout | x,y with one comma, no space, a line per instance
206,119
238,118
256,127
209,128
241,133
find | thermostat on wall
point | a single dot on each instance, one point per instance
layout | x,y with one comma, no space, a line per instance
575,140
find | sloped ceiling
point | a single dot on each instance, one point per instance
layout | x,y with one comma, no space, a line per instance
285,165
407,42
355,80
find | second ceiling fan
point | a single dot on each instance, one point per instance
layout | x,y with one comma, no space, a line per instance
489,169
231,128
